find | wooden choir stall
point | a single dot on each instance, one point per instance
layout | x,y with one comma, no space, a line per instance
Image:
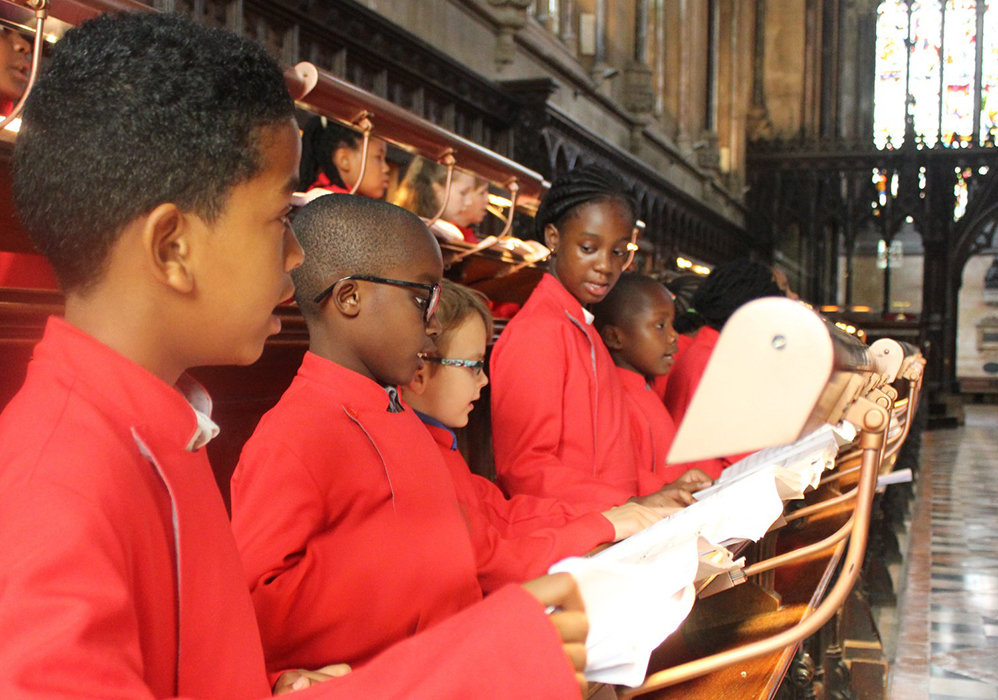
786,616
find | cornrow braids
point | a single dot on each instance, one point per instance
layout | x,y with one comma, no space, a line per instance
684,287
319,141
576,188
730,286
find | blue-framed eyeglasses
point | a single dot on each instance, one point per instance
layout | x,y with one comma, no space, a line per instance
428,305
476,366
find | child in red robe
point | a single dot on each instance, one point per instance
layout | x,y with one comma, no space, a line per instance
341,471
727,288
518,537
120,577
28,270
635,321
560,425
332,156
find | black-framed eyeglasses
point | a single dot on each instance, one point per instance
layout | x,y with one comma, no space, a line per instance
476,366
428,305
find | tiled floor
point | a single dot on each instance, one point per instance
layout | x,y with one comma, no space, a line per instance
948,630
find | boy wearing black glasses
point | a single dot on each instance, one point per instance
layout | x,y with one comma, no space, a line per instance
514,538
344,514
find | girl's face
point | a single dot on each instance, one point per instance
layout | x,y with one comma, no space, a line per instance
348,161
590,248
475,214
462,196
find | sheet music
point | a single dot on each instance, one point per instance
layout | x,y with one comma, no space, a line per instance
796,466
633,606
640,590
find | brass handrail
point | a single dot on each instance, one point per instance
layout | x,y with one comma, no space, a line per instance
800,553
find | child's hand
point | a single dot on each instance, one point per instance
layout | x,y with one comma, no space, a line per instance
667,500
630,519
560,592
694,480
300,679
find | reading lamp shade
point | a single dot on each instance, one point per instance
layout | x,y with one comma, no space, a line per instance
778,371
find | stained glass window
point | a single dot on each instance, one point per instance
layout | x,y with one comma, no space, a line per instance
926,45
892,71
989,76
960,37
926,65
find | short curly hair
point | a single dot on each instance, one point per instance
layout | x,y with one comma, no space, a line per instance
133,111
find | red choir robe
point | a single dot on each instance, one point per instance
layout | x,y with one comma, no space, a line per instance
654,430
686,372
26,270
119,577
347,523
468,233
515,539
325,183
560,426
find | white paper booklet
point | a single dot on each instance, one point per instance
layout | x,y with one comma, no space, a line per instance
796,466
640,590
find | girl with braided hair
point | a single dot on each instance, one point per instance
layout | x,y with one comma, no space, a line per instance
331,158
560,426
726,289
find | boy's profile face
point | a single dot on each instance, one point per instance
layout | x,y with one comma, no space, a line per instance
242,273
396,334
15,63
648,340
590,248
449,393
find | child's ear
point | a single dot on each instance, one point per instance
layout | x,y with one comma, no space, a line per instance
611,337
346,296
168,241
551,237
343,159
419,382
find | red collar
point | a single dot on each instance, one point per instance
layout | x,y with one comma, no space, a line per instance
353,389
550,289
442,435
130,394
325,183
632,380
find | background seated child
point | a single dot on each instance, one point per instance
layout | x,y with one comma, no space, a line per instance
331,159
18,269
560,423
155,168
635,321
422,192
725,290
343,510
472,217
522,536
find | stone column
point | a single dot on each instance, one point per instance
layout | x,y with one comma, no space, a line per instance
639,97
759,125
512,16
566,25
